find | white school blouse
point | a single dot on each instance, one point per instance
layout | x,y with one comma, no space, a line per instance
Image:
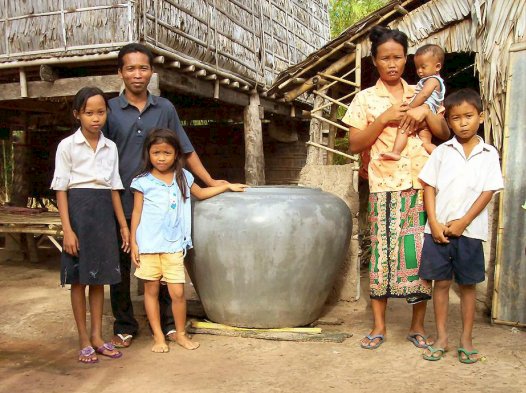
78,166
459,181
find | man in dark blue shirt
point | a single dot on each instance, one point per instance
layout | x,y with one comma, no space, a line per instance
131,117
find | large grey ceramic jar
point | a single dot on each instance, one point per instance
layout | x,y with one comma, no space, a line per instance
268,257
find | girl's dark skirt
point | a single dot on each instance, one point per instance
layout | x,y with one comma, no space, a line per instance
93,221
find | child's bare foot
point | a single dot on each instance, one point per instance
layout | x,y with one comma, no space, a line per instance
159,345
184,341
390,156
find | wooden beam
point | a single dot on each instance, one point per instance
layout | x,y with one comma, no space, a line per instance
271,106
322,119
34,105
332,100
61,87
190,68
219,112
175,81
254,157
174,64
349,46
332,69
352,158
200,73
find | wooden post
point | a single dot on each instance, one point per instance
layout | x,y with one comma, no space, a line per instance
20,186
332,134
254,158
314,154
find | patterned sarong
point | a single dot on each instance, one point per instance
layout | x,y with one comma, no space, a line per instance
397,233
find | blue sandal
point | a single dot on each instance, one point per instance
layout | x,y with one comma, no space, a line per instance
371,339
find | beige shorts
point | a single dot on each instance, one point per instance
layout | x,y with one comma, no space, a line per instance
169,267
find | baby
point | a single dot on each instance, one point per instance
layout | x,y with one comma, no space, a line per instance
430,90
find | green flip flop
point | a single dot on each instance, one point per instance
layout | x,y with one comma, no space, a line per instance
468,354
436,353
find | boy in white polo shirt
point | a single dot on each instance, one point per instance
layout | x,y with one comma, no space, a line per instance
460,178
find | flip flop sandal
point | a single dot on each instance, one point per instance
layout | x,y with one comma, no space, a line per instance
414,339
87,353
436,353
108,347
371,339
467,359
125,338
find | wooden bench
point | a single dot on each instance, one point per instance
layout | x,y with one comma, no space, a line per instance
20,229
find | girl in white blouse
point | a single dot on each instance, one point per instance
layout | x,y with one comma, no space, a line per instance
87,181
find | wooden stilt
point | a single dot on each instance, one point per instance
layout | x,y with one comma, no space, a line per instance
20,187
254,157
332,134
315,155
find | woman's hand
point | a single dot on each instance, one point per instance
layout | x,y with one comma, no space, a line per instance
395,113
125,235
237,187
412,119
71,243
135,254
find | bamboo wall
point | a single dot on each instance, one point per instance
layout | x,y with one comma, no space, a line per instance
252,38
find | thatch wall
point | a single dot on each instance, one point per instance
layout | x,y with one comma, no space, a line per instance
251,38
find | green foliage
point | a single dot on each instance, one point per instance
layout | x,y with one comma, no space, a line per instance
344,13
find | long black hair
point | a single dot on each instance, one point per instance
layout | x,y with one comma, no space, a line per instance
81,98
164,135
380,35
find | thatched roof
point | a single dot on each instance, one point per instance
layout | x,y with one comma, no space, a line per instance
486,27
251,39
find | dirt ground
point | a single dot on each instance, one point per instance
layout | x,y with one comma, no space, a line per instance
38,352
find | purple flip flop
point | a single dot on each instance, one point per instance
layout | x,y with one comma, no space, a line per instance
108,347
87,353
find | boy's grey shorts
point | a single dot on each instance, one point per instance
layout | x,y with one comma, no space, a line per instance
462,257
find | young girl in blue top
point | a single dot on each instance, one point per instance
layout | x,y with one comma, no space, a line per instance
87,181
161,228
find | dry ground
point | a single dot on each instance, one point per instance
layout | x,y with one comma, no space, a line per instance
38,350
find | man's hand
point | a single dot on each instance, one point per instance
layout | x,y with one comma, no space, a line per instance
215,183
438,231
456,228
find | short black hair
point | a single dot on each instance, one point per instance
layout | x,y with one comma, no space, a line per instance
133,48
463,95
380,35
436,50
81,98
